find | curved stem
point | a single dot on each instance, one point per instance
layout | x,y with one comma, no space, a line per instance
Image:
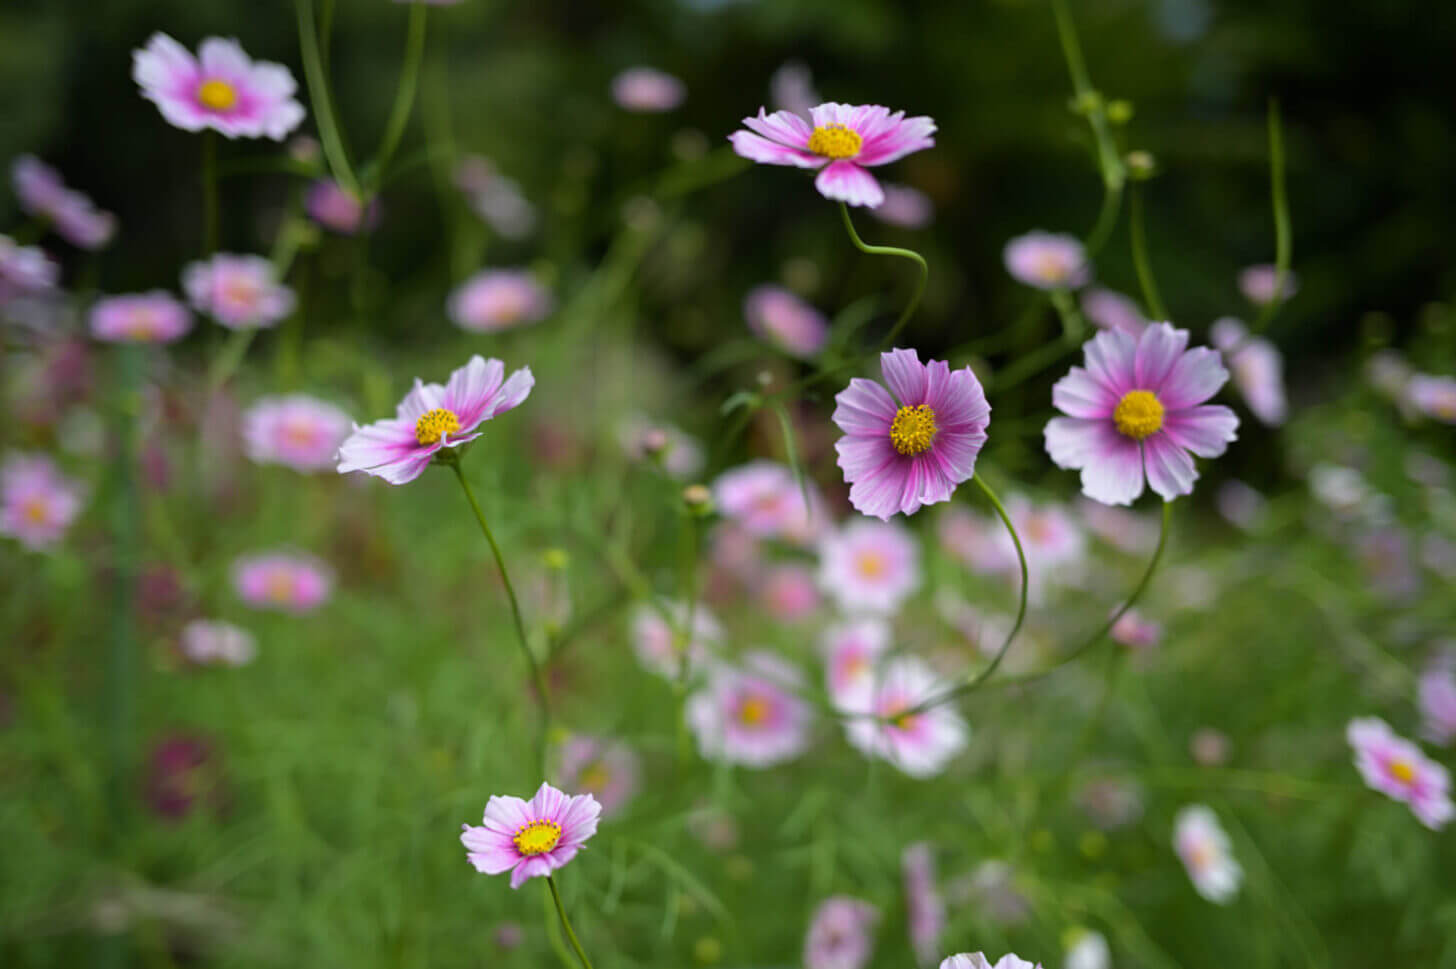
209,193
1283,241
1140,259
910,254
318,93
404,96
566,924
1106,219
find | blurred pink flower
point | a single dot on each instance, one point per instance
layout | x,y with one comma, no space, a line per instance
530,839
662,641
1257,284
154,317
906,207
1129,531
840,139
1047,260
791,88
240,292
284,581
499,299
1437,698
1133,630
296,431
1112,310
607,769
37,502
1396,768
214,643
495,198
680,453
919,744
976,960
25,271
1136,412
924,905
851,651
1204,849
841,934
1258,369
647,90
221,88
784,320
788,593
337,209
43,194
1239,504
869,566
750,715
1434,397
763,497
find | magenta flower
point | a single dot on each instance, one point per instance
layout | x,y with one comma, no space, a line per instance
911,449
296,431
607,769
283,581
37,502
840,139
924,904
496,300
1047,260
647,90
777,316
1112,310
213,643
530,839
1257,283
750,716
841,934
240,292
154,317
869,567
1136,412
919,744
977,960
221,88
789,593
906,207
25,271
1258,369
1436,694
42,193
337,209
1396,768
432,417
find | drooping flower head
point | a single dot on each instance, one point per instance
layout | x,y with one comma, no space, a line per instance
240,292
337,209
214,643
432,417
1396,768
1434,397
530,839
851,652
840,139
647,90
1258,284
499,299
906,207
296,431
869,566
911,445
284,581
37,502
154,317
1136,414
25,271
1258,369
779,317
663,642
976,960
42,193
1047,260
841,934
924,904
763,497
749,715
919,744
607,769
1204,849
1112,310
221,88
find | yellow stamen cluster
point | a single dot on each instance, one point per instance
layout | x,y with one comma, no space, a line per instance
217,95
435,424
36,511
1138,415
913,429
871,564
1403,771
835,141
753,711
537,838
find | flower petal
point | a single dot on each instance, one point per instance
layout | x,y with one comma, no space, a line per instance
1158,349
844,181
757,148
1079,394
1194,378
470,389
507,814
1169,468
864,407
1205,430
906,376
784,127
899,137
1109,356
534,867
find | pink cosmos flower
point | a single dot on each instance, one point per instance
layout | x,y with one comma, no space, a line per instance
607,769
283,581
852,651
221,88
1133,630
763,497
1258,369
1257,283
1396,768
25,271
296,431
37,502
976,960
240,292
924,904
1136,412
647,90
1047,260
779,317
869,567
1206,853
906,207
1112,310
750,715
496,300
530,839
841,934
42,193
432,417
1437,697
919,744
153,317
661,639
911,449
788,593
1433,396
212,643
337,209
840,139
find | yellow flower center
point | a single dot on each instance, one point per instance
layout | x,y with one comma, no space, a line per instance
217,95
871,564
537,838
913,429
279,587
299,433
1403,771
595,779
435,424
1200,856
1051,268
36,511
835,141
142,324
1138,415
241,293
753,711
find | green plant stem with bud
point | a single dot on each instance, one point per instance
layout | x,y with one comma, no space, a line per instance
566,923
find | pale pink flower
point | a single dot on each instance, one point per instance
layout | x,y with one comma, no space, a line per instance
154,317
791,88
530,839
841,934
1047,260
607,769
763,497
906,207
869,566
42,193
750,715
337,209
647,90
1206,853
1437,697
495,198
1112,310
499,299
972,539
924,904
1258,283
432,417
240,292
214,643
779,317
1136,412
296,431
1433,396
1054,545
37,502
662,641
976,960
919,744
1396,768
25,271
1258,369
852,651
221,88
840,139
284,581
1132,629
911,445
788,593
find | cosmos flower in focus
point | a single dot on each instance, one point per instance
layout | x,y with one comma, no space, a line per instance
499,299
647,90
221,88
662,642
530,839
840,140
1396,768
841,934
1047,260
296,431
213,643
43,194
784,320
283,581
869,567
1205,851
154,317
919,744
1258,283
1258,369
37,502
607,769
750,715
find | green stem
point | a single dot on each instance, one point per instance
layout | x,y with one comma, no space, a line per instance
1141,262
1283,233
566,923
226,363
318,92
910,254
690,590
537,679
209,193
1114,173
404,96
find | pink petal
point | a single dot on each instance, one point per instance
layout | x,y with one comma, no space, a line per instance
959,402
513,392
956,452
906,376
844,181
864,407
1205,430
831,112
224,59
784,127
861,456
1109,356
489,852
507,814
1079,394
421,398
579,819
902,138
548,803
1112,466
563,853
537,866
470,388
757,148
1194,378
878,492
378,444
1158,350
1169,467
